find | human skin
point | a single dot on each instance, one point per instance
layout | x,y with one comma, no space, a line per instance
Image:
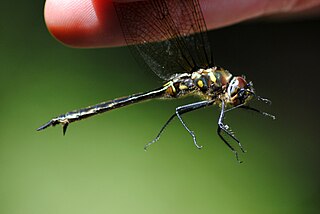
94,23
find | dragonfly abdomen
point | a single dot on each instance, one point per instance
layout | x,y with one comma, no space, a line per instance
76,115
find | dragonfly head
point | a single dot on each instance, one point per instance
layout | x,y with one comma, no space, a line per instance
239,91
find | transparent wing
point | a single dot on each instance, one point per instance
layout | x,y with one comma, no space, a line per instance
168,36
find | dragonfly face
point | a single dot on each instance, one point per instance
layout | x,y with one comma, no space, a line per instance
239,91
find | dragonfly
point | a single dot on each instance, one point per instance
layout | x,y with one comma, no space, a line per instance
169,37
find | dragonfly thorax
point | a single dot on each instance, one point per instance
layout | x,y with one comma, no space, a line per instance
212,84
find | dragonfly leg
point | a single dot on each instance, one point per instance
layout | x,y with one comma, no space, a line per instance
265,100
227,130
258,111
160,132
179,111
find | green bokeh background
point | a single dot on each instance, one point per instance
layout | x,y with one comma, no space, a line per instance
100,165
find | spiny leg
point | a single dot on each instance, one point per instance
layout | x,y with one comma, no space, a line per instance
228,144
265,100
243,106
225,128
160,132
186,127
179,111
258,111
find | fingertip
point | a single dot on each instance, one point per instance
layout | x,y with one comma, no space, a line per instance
83,23
94,23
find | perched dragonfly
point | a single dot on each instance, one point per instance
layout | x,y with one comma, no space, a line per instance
170,38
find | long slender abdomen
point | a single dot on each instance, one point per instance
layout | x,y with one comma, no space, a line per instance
69,117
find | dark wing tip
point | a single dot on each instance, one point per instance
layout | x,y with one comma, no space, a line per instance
50,123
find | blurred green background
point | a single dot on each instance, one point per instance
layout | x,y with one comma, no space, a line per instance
100,165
